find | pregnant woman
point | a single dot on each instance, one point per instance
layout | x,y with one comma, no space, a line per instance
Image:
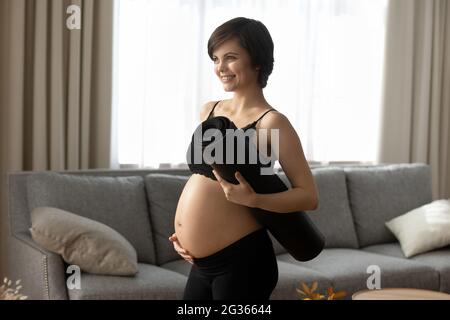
231,254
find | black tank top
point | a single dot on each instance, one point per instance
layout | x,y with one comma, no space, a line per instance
204,168
250,125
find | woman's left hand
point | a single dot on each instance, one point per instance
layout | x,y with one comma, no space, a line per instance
241,193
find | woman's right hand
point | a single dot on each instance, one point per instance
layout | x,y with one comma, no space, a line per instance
181,251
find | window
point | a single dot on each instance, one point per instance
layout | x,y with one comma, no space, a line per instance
327,76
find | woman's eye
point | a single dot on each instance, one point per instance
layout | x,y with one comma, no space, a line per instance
215,60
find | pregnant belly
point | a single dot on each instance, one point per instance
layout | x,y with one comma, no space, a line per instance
206,222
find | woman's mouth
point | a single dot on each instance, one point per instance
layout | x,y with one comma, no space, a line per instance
227,78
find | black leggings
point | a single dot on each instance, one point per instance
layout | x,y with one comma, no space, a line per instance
246,269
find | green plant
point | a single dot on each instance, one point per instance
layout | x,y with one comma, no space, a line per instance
308,293
8,293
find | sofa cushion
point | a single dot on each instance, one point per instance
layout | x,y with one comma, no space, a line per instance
181,266
118,202
333,216
348,270
424,228
164,191
91,245
379,194
291,276
437,259
150,283
392,249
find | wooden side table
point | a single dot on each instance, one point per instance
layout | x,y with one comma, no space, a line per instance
400,294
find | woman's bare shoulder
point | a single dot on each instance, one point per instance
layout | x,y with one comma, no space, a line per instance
206,109
274,119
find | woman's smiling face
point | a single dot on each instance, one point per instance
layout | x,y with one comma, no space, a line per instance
233,66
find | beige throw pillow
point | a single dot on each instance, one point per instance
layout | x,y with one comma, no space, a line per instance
424,228
91,245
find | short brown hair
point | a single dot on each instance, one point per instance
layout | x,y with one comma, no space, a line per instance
253,36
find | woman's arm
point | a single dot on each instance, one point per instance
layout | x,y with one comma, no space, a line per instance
303,195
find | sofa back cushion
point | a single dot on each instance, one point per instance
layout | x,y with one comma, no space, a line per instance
379,194
333,216
118,202
164,191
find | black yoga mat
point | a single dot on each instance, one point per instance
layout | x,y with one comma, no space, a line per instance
294,230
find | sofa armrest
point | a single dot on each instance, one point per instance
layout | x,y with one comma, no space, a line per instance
42,272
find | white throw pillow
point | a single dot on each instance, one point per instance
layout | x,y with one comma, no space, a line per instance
91,245
424,228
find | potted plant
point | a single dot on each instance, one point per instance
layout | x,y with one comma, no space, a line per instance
308,293
8,293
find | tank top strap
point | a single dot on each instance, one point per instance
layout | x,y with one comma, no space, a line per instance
212,110
253,124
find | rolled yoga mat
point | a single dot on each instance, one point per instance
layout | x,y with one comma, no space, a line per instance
293,230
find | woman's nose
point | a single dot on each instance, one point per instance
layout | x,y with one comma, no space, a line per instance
221,67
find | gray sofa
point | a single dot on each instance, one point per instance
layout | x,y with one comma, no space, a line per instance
355,201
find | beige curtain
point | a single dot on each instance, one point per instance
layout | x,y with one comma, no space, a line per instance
55,87
416,113
3,92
